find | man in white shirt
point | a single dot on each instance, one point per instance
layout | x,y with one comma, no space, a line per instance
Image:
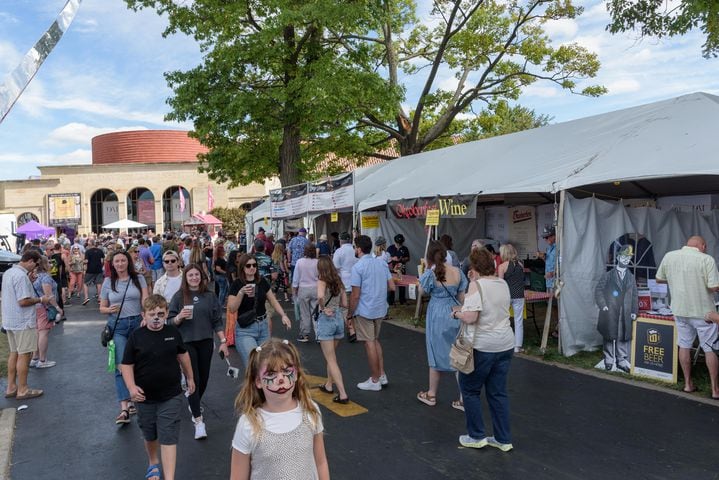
344,259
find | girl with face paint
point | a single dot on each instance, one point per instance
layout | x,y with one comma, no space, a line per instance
277,416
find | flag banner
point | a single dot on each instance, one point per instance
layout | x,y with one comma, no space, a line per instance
331,194
289,202
182,200
457,206
16,82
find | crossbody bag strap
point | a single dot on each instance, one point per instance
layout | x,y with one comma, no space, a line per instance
117,318
450,293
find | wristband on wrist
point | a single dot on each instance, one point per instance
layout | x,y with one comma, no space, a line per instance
223,340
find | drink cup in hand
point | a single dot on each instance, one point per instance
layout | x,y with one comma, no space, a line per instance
251,290
189,308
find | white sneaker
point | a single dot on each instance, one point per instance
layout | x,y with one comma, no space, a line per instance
469,442
383,380
370,385
200,430
505,447
34,362
45,364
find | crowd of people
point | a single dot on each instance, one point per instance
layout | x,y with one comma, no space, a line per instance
172,300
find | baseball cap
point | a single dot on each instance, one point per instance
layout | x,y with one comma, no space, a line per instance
380,241
548,232
302,230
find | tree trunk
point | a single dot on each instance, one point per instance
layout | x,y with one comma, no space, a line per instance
290,155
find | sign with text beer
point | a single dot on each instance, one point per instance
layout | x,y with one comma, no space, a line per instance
332,194
289,202
654,351
457,206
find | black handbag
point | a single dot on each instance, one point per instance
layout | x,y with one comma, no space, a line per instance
107,332
316,311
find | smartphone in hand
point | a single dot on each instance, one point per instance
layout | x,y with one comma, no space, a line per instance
222,354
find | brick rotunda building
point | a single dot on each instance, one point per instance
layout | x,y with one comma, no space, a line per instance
138,175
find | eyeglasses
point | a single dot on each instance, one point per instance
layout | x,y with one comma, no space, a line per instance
170,260
251,265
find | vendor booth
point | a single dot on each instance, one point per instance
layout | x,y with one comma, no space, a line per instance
33,230
205,221
633,159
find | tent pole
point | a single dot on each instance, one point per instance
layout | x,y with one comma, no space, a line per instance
354,202
559,222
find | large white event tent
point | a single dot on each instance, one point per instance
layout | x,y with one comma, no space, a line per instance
657,150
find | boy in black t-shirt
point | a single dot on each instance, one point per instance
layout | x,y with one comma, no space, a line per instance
151,370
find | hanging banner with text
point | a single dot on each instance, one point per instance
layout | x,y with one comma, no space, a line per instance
289,202
63,209
654,352
332,194
457,206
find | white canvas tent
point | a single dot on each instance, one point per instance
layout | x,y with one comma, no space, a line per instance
124,224
660,149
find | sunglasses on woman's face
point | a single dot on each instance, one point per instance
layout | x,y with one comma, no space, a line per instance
170,260
250,265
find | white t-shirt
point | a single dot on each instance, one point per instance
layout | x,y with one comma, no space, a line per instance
186,256
244,441
494,332
173,286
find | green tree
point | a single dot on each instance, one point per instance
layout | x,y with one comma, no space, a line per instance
283,83
492,50
660,18
275,89
233,219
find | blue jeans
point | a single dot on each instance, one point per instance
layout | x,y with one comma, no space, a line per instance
221,281
490,372
247,339
125,326
330,328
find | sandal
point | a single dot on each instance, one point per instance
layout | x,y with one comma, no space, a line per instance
132,410
123,418
458,404
352,337
323,388
343,401
153,471
427,399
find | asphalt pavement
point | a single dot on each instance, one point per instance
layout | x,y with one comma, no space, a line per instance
565,424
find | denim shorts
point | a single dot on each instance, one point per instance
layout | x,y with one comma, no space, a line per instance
330,328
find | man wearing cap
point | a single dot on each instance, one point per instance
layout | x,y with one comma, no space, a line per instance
618,301
399,256
693,278
549,235
344,259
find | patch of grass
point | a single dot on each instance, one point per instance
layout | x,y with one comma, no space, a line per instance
583,360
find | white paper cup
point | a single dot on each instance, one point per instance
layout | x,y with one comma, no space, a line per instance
191,308
252,291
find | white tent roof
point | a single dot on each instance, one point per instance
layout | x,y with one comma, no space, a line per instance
123,224
670,138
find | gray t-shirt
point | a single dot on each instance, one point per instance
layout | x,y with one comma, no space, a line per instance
133,300
16,285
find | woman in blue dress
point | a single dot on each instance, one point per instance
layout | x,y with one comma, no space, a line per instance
446,285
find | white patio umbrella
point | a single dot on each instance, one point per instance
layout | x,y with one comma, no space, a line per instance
124,224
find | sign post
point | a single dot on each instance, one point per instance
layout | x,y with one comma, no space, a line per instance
431,220
654,349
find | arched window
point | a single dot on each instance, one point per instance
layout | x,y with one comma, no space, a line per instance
141,206
23,218
643,265
175,212
104,209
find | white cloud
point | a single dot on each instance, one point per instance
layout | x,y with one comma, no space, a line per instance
626,85
75,157
558,29
85,25
75,133
9,58
541,90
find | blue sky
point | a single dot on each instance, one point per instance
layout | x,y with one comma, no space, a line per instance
106,74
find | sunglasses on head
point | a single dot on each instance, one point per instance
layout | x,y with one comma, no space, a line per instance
170,260
250,265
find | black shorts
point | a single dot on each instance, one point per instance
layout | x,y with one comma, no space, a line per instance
160,420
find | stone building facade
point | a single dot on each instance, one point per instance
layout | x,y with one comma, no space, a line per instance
138,175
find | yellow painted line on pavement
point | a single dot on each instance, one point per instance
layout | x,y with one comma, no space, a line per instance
325,399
